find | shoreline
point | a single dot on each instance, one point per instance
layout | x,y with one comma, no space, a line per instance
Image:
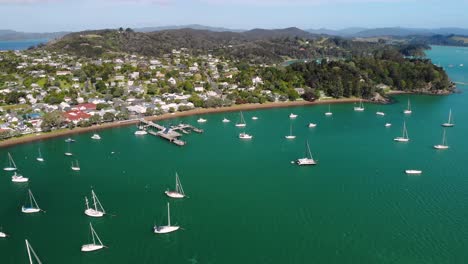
198,111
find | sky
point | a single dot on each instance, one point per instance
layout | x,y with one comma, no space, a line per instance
76,15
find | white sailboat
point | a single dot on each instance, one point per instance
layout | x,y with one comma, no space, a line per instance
308,160
225,120
329,113
2,234
179,191
96,136
11,164
244,135
450,121
31,250
93,246
242,121
33,206
404,137
359,108
75,167
413,171
290,136
40,158
97,210
18,178
201,120
292,116
168,228
444,143
408,109
68,152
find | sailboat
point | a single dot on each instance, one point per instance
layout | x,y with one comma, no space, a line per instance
18,178
359,108
179,191
404,137
329,113
75,167
68,153
244,135
2,234
225,120
33,208
93,246
40,158
308,160
242,121
290,136
292,116
444,143
11,164
408,109
96,136
168,228
450,121
31,250
98,210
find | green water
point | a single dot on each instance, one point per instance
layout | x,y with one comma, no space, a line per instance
248,203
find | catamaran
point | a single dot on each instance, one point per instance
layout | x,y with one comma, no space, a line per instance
404,137
168,228
11,164
225,120
292,116
40,158
98,210
413,171
290,136
201,120
308,160
450,121
68,153
444,143
244,135
33,206
179,191
329,113
18,178
96,136
31,250
408,109
242,121
93,246
359,108
75,167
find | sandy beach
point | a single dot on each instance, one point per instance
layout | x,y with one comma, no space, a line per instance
198,111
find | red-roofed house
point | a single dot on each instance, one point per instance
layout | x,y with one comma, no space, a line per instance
86,107
75,116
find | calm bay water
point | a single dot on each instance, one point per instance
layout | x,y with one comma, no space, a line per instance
20,44
248,203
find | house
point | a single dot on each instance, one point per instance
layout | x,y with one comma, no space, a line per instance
85,107
299,91
172,81
75,116
134,75
257,80
63,73
199,89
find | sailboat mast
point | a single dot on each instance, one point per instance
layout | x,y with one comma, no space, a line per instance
87,203
444,140
94,200
92,233
450,117
168,215
29,253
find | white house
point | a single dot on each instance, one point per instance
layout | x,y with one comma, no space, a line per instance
172,81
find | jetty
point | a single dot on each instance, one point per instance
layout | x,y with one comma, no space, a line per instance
172,133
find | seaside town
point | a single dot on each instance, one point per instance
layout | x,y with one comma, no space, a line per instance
42,91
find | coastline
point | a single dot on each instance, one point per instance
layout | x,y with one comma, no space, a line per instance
198,111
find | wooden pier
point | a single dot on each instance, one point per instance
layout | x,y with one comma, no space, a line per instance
172,133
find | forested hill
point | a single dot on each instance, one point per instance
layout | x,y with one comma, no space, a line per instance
257,45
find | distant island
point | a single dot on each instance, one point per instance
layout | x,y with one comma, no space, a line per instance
91,77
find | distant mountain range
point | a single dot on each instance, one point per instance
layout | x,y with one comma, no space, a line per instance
352,32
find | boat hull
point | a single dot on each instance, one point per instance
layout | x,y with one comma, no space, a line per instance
240,125
40,159
388,125
447,125
19,179
96,137
328,114
413,171
68,154
2,234
28,210
165,229
441,147
174,194
254,118
290,137
292,116
407,112
358,109
400,139
305,162
9,169
93,213
75,168
141,133
312,125
91,247
226,120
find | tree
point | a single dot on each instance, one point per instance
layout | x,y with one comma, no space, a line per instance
95,119
52,120
101,86
101,106
108,117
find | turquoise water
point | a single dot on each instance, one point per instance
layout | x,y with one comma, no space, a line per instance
248,203
20,44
